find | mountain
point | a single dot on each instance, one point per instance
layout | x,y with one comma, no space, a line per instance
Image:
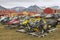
18,9
2,8
33,8
55,7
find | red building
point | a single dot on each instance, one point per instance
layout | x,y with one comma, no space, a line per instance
6,12
49,11
57,10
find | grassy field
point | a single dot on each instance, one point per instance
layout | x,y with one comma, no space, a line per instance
13,35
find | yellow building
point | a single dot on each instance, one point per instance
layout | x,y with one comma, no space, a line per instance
13,14
25,13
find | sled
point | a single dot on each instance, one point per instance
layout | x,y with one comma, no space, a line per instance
37,34
52,30
21,30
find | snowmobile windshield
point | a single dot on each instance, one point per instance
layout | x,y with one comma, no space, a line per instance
49,21
22,19
2,18
13,18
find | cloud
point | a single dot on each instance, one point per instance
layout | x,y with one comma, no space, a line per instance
14,4
26,3
25,0
1,1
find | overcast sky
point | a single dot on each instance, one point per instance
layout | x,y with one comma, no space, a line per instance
26,3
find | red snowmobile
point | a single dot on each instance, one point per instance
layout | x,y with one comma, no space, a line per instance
13,23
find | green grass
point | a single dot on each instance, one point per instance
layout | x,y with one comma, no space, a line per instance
13,35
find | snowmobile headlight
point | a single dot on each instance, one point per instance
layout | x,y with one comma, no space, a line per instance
21,22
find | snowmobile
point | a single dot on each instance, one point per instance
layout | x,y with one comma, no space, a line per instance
58,18
4,20
13,23
51,24
23,24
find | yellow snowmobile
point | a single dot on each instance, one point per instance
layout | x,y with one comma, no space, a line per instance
23,24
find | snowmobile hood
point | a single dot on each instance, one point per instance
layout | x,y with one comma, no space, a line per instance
2,18
14,21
